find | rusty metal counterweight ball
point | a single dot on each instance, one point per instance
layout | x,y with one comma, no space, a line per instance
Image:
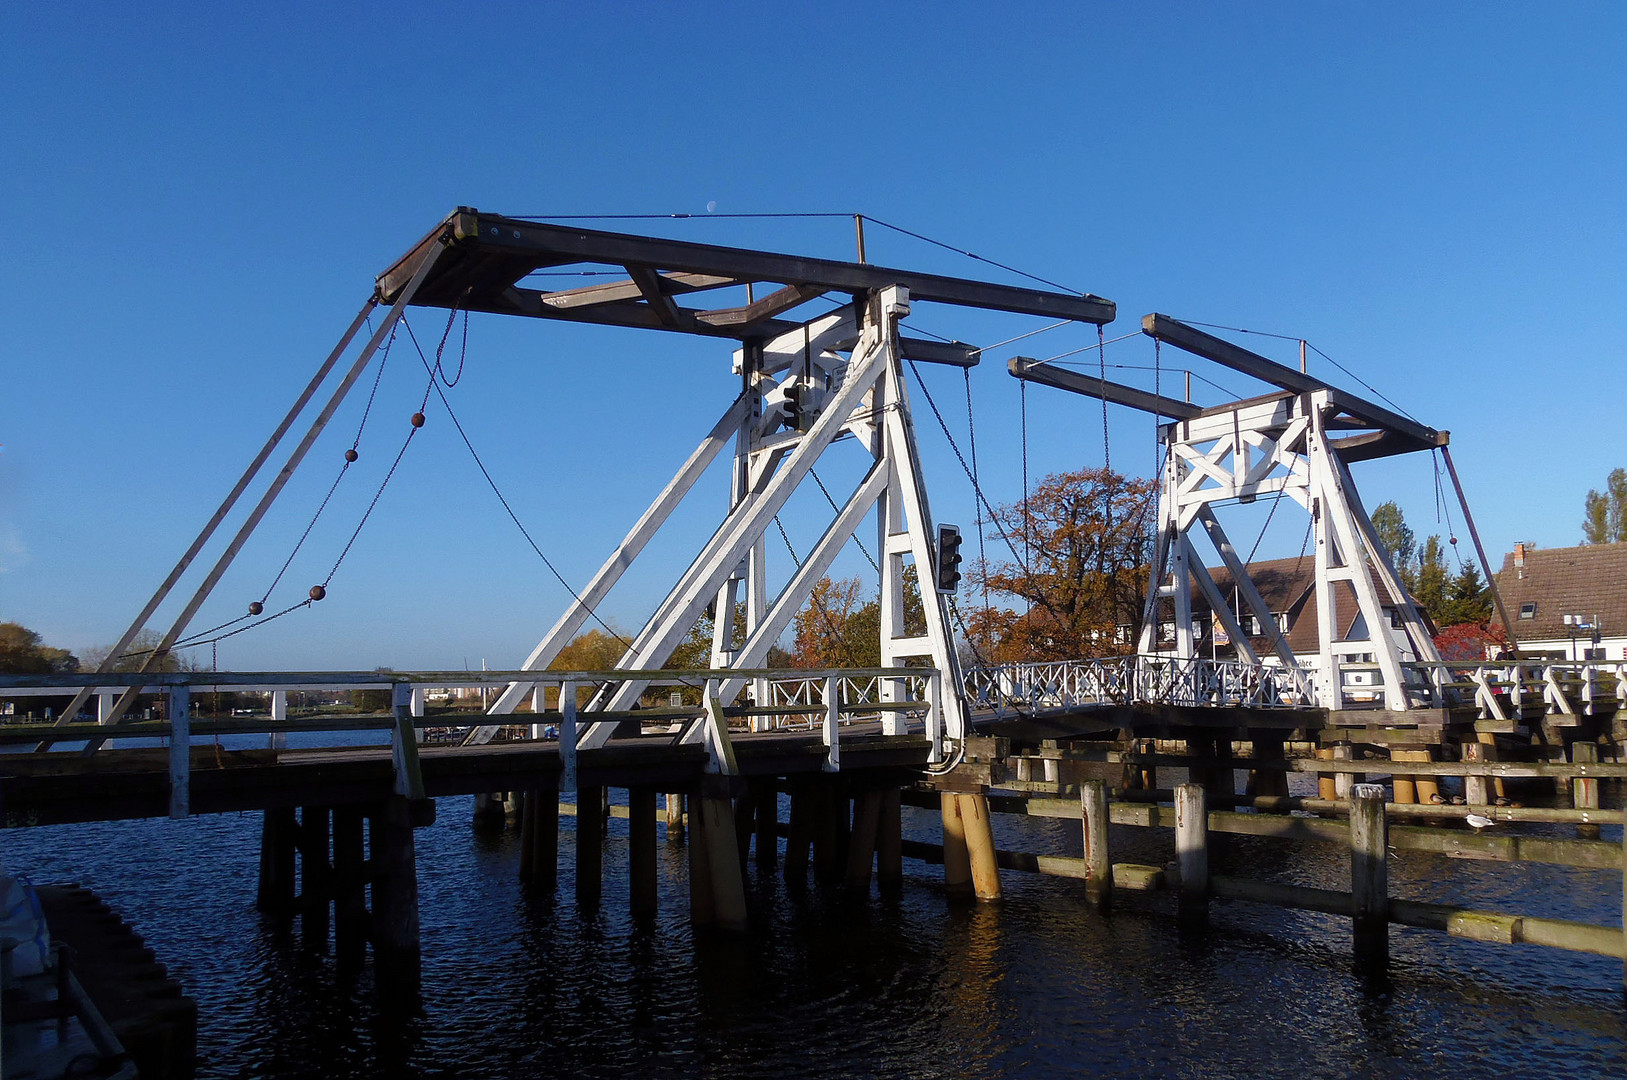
318,592
351,455
417,419
256,607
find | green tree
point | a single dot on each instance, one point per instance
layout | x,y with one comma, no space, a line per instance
1391,526
1468,599
1605,513
23,652
145,641
1429,580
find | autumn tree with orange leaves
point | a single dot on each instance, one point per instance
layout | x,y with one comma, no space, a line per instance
1083,539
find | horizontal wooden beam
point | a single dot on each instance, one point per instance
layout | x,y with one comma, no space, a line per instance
1031,370
475,233
1195,341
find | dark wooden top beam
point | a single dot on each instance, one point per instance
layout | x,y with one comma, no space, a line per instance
1035,371
521,246
1195,341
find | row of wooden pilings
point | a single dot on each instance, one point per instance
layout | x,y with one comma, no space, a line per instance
323,863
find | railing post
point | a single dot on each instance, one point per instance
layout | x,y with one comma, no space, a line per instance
567,735
1370,875
833,751
180,751
409,779
279,714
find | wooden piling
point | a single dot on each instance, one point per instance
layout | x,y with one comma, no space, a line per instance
539,842
1325,784
675,817
702,911
641,851
861,852
830,807
1370,875
590,827
1474,787
349,884
1585,790
957,865
397,947
768,826
1192,854
890,842
798,836
315,877
489,813
728,888
1344,781
745,824
1429,788
1269,775
974,816
1406,792
278,885
1098,864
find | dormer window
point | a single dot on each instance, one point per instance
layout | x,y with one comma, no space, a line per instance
1528,610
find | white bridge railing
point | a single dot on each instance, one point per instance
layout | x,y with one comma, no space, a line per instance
1498,690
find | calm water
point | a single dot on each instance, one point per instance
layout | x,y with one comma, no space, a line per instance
828,984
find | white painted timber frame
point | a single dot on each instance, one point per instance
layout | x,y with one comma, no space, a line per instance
863,395
1271,447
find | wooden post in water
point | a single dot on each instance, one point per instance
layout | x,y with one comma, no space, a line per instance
278,886
861,852
1192,854
1474,787
589,847
974,816
830,804
1585,790
799,835
1269,775
1098,864
957,863
1344,781
702,911
539,841
1325,784
768,826
490,813
1429,788
1370,875
641,851
349,884
890,842
723,859
675,817
315,877
745,824
397,948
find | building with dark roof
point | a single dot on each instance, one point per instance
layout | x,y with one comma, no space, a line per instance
1567,603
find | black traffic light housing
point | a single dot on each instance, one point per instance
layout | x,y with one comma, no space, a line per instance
791,405
948,558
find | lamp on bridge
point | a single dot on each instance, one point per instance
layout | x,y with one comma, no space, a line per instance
1580,624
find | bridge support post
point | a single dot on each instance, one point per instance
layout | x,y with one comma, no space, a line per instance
397,947
539,841
1475,788
1270,773
861,851
315,877
957,864
675,817
702,911
728,893
277,861
1192,854
830,832
890,843
1585,790
1326,787
768,826
1344,781
490,811
349,885
974,815
798,835
1098,863
641,851
590,827
1369,876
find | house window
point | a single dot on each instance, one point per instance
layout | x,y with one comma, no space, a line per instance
1528,610
1396,622
1251,625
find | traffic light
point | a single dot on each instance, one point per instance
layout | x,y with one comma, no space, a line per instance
791,405
948,558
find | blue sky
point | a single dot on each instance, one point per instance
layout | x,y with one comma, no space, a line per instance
199,198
